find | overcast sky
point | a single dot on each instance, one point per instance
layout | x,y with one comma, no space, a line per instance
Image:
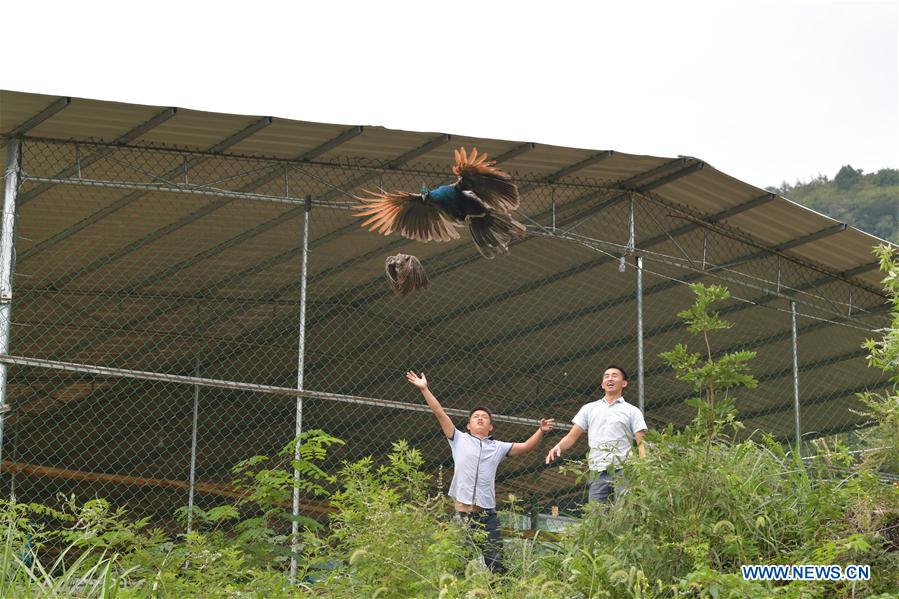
765,91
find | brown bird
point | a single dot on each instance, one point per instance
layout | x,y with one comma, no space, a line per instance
405,273
482,196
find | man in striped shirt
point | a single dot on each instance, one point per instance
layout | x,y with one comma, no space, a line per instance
476,456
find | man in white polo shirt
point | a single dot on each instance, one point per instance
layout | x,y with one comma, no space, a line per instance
476,456
612,426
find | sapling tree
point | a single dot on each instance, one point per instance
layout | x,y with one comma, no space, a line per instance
711,378
883,353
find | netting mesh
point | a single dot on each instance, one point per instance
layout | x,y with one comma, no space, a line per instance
139,262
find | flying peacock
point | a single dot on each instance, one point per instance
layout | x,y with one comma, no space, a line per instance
482,196
405,273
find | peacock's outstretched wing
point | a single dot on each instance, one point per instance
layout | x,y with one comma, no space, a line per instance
404,213
493,186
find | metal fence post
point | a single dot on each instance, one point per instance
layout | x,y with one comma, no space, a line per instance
796,381
553,207
640,386
632,247
15,459
301,355
7,264
193,451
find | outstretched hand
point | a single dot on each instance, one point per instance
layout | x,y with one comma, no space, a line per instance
419,381
555,452
546,424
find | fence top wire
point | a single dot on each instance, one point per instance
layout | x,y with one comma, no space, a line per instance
617,251
249,387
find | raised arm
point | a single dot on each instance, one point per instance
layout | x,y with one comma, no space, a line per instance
565,444
531,444
446,425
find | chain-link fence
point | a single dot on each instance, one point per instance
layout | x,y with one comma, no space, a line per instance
163,322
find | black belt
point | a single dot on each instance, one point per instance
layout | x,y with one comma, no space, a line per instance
490,510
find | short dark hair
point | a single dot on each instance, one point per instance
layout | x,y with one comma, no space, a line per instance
619,368
481,409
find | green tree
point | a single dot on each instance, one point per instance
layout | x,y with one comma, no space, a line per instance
847,177
867,201
886,177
